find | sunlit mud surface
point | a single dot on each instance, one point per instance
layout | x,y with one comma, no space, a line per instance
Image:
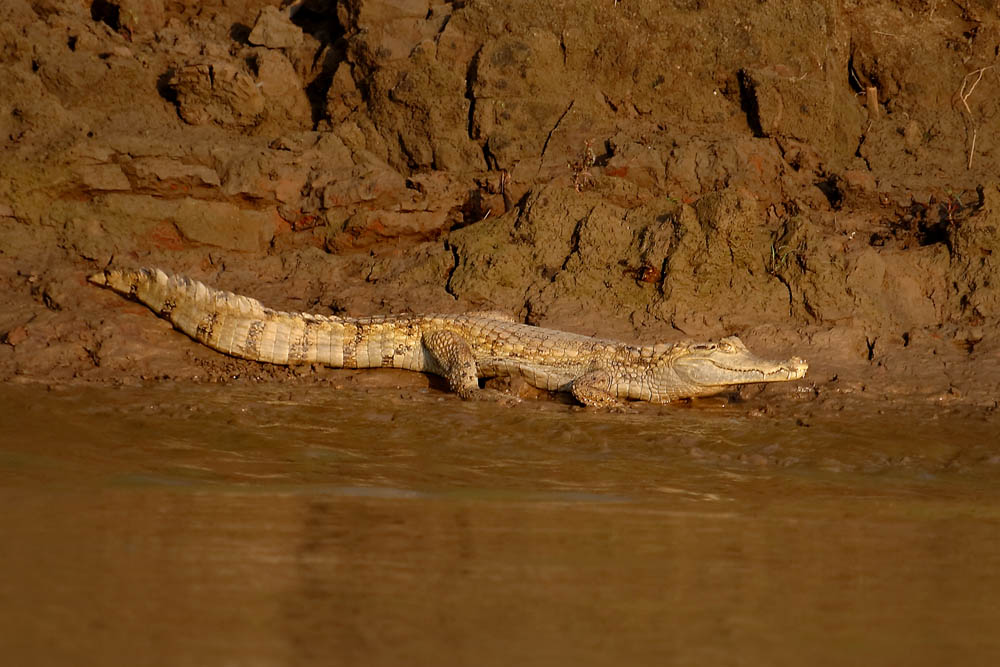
259,525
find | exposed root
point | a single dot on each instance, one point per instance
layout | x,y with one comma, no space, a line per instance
964,95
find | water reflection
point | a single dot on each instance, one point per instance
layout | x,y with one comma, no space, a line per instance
257,526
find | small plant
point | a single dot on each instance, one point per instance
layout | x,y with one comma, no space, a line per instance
952,206
780,256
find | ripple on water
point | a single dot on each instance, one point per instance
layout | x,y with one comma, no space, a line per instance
257,525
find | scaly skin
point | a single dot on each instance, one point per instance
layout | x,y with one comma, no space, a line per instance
461,348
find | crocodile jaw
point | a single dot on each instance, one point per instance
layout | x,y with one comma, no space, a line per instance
713,368
711,373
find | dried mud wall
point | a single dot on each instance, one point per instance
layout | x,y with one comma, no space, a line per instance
816,174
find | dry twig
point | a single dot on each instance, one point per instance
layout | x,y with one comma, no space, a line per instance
964,96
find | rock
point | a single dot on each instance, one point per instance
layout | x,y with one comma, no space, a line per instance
178,39
224,225
89,239
438,189
374,185
217,92
638,164
860,181
343,96
288,182
169,176
721,253
366,14
271,176
15,336
388,30
368,228
104,177
285,96
130,17
975,258
275,30
520,96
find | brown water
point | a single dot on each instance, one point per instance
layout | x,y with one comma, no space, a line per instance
195,525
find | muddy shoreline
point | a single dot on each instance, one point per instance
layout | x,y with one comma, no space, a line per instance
798,174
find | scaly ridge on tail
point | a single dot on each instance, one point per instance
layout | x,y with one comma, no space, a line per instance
230,323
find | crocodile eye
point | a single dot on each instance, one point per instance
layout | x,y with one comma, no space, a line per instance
726,347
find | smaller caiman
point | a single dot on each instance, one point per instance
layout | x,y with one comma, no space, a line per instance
461,348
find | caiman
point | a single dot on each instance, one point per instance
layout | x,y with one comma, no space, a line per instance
461,348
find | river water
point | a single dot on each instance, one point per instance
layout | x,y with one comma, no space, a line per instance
266,525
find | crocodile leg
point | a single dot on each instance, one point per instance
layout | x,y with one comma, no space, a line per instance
595,389
458,363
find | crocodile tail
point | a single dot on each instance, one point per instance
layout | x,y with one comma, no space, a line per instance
230,323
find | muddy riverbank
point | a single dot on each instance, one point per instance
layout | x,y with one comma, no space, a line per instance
800,174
